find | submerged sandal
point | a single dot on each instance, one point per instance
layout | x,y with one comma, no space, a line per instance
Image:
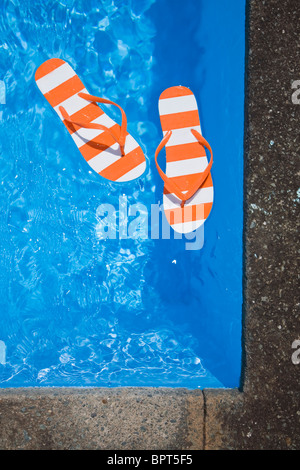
188,191
106,146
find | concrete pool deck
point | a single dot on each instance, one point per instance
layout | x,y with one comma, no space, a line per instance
265,412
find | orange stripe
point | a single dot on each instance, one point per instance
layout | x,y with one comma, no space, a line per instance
99,143
64,91
48,67
88,113
188,213
179,120
124,164
175,91
187,181
184,151
85,115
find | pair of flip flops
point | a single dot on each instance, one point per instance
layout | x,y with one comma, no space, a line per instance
114,154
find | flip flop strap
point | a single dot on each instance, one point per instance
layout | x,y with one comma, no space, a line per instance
119,139
171,186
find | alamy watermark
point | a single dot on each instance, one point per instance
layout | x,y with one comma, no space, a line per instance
2,96
296,354
135,221
2,92
2,352
296,93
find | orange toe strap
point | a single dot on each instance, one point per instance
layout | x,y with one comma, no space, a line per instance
173,187
120,139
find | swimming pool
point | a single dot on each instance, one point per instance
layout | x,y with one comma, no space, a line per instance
78,309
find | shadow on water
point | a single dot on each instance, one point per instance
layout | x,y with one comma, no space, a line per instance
171,270
202,289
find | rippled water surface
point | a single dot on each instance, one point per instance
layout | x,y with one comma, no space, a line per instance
80,310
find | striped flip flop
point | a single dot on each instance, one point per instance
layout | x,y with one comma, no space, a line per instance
188,190
105,145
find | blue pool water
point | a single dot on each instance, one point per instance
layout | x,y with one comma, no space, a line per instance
80,310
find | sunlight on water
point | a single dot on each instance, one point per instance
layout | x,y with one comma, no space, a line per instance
77,309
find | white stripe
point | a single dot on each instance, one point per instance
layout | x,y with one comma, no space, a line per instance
73,104
55,78
105,158
134,173
202,196
179,104
84,135
187,227
186,167
182,136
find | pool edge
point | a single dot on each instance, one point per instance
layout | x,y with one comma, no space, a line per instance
264,413
101,418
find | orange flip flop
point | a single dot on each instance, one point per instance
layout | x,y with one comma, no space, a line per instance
188,190
106,146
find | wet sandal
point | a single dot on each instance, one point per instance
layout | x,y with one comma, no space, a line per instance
104,144
188,187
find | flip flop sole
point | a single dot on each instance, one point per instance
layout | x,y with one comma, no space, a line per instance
60,85
185,160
